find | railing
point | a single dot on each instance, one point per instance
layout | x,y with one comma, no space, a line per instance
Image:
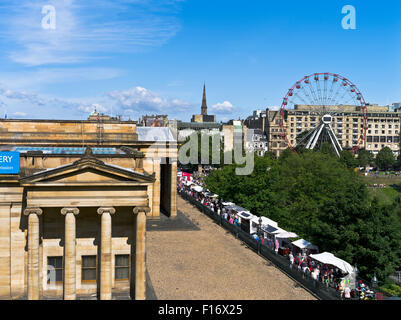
317,288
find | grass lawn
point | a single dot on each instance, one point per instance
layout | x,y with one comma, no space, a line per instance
385,195
388,194
388,180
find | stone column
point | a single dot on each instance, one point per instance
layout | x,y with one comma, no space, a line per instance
173,187
33,252
140,252
105,252
156,188
70,257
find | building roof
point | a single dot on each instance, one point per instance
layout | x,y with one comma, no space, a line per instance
67,150
155,134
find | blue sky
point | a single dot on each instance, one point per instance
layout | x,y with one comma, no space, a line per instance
132,57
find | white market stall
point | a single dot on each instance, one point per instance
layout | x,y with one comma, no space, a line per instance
302,245
265,222
331,259
197,188
283,237
244,218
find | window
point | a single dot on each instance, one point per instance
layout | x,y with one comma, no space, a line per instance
88,268
122,267
56,264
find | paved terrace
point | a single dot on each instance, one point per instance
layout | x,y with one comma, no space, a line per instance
191,258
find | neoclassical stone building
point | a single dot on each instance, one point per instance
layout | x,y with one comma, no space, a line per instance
73,221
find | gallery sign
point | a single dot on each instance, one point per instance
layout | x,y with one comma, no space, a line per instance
9,162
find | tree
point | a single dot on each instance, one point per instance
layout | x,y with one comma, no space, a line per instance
348,159
365,158
385,158
327,149
207,150
315,195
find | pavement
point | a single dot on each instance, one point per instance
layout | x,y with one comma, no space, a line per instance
192,258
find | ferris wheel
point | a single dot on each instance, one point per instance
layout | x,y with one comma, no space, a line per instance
324,97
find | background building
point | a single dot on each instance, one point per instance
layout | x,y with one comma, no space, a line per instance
154,121
348,124
203,117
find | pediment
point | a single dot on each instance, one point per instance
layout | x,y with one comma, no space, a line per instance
87,171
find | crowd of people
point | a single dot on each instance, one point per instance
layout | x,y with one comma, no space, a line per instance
376,185
326,274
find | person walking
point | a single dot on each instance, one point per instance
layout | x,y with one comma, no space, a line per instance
347,293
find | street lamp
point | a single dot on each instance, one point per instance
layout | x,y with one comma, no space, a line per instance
374,281
260,234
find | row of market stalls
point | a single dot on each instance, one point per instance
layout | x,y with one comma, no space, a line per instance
269,229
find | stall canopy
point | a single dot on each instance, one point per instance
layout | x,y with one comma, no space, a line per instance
211,195
227,204
286,234
245,215
265,221
269,229
303,244
329,258
281,233
197,188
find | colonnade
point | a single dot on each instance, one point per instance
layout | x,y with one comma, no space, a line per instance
69,279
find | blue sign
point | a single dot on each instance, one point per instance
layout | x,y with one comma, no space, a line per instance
9,162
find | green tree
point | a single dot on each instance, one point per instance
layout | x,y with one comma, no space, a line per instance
316,196
348,159
365,158
327,149
385,158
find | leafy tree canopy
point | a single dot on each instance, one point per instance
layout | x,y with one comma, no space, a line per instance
385,158
315,195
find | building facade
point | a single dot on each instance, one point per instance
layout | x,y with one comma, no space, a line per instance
383,126
73,220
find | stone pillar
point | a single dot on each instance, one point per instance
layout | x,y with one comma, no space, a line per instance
70,257
33,252
173,190
156,189
105,253
5,250
140,252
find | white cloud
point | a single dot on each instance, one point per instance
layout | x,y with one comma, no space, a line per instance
142,100
85,30
19,114
89,108
133,102
223,107
274,108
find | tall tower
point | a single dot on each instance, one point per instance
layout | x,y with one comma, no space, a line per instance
204,105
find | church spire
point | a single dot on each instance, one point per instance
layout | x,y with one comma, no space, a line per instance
204,105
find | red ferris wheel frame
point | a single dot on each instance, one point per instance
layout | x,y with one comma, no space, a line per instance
326,75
